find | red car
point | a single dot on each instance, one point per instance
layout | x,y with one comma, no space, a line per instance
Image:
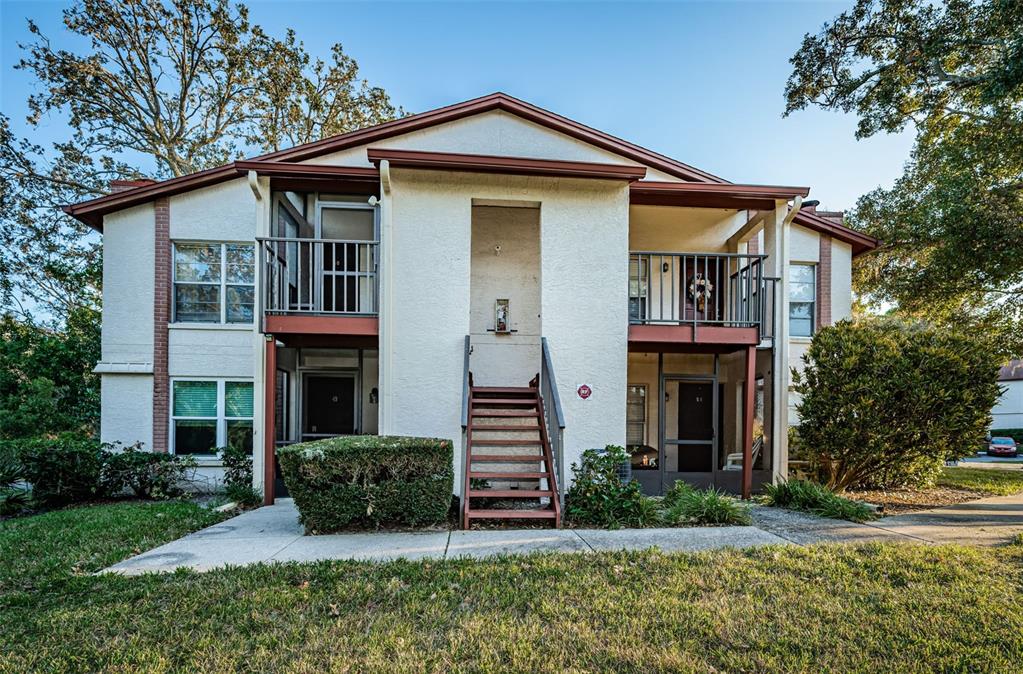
1001,447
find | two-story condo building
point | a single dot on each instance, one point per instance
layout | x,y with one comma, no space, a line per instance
488,272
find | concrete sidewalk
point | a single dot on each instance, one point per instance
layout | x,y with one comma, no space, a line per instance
273,534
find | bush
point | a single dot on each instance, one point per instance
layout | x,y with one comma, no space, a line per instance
64,470
884,404
149,475
816,499
685,504
369,480
237,466
598,495
13,498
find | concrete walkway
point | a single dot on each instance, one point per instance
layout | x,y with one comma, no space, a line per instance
273,534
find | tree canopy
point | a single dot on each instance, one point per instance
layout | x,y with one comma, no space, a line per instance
952,226
163,88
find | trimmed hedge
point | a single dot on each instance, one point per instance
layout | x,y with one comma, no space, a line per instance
365,481
62,470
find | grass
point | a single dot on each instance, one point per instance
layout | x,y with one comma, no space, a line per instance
813,498
991,481
785,609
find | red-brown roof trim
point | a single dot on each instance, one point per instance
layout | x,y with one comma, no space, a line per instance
860,242
479,163
506,103
285,169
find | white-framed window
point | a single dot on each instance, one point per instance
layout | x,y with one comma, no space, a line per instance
207,414
214,282
802,299
635,415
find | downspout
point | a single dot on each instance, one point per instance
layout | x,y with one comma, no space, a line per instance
254,185
384,309
797,203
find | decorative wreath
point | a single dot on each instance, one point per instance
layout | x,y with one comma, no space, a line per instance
700,289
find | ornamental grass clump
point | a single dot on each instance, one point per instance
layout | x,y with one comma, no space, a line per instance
368,481
817,500
685,504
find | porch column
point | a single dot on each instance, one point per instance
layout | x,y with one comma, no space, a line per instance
269,418
747,421
776,247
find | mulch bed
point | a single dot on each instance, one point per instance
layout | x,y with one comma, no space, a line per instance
898,501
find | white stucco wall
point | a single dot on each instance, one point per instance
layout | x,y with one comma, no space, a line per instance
494,133
1008,411
214,351
222,212
127,414
425,313
511,273
128,285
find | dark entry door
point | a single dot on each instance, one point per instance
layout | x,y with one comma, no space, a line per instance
329,404
689,432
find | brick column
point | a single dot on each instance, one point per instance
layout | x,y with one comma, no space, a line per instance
161,317
824,282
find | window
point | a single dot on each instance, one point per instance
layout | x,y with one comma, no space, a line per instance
209,414
638,289
802,299
214,282
635,416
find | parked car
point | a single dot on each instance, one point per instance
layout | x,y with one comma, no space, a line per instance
1001,447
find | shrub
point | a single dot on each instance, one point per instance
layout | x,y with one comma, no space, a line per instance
598,495
237,466
149,475
13,498
243,494
369,480
885,404
685,504
64,470
814,498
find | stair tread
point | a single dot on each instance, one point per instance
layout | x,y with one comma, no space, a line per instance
505,458
504,413
503,389
504,427
506,402
505,443
531,513
498,475
509,493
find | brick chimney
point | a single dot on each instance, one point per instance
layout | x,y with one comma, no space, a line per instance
125,185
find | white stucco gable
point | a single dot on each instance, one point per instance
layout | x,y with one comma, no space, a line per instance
494,132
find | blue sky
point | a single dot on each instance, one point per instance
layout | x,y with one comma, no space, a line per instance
699,81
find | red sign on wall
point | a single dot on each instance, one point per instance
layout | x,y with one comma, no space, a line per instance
584,391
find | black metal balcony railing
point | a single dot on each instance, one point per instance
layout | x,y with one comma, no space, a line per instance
319,276
725,289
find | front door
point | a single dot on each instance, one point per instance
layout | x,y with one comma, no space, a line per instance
689,408
328,402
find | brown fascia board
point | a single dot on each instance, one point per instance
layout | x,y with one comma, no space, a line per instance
506,103
478,163
708,195
283,169
860,242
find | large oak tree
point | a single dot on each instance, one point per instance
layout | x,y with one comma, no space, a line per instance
952,226
161,88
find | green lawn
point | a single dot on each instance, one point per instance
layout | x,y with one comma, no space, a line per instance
985,480
837,608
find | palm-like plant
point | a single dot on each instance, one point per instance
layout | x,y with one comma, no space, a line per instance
13,497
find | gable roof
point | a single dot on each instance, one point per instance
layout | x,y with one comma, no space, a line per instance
91,212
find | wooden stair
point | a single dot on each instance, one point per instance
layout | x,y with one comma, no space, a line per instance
507,444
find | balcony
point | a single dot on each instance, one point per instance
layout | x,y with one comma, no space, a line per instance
704,298
319,276
320,287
